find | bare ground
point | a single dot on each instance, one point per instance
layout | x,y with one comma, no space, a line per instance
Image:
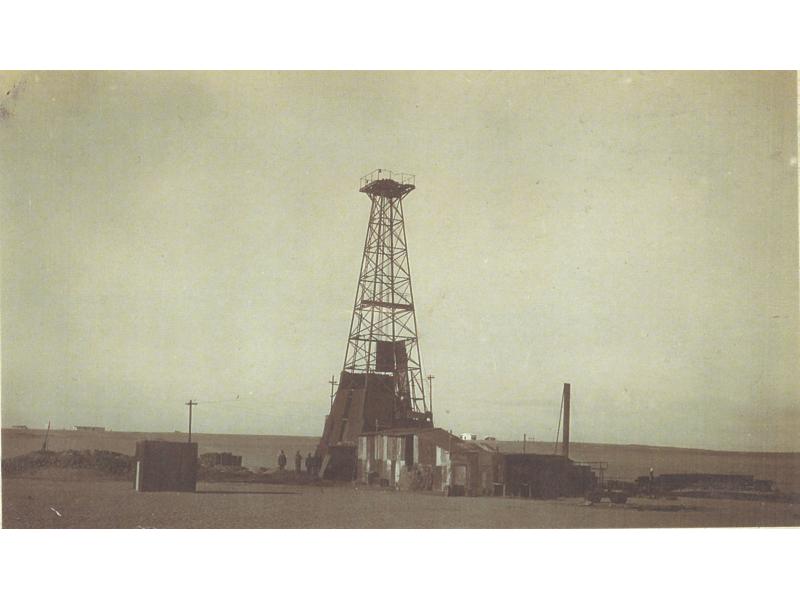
65,499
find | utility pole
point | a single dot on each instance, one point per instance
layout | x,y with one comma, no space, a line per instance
333,382
565,400
190,404
430,379
46,434
524,441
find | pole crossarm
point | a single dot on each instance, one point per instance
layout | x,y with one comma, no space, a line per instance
190,404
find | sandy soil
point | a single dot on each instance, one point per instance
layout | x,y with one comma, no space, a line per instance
32,502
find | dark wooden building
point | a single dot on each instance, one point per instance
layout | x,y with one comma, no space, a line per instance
165,466
542,476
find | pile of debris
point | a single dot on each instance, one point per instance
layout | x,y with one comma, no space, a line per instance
223,459
671,482
283,477
206,472
226,473
103,461
712,485
418,477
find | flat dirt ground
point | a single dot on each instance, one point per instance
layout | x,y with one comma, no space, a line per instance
85,501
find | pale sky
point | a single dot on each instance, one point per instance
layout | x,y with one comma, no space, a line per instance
168,236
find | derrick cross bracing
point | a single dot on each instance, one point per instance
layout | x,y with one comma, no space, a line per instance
383,330
381,384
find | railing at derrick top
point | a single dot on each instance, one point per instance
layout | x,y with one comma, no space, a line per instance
379,174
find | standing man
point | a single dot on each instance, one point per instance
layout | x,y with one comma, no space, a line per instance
281,461
316,461
309,463
652,483
298,462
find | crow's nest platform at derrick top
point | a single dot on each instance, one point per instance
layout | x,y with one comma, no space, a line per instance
386,184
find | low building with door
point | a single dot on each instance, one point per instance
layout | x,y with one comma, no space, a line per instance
426,459
435,460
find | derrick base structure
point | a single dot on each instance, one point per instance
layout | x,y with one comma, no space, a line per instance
364,403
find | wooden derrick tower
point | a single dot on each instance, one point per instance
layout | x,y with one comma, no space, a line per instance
381,384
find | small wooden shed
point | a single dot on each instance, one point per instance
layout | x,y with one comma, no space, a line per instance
165,466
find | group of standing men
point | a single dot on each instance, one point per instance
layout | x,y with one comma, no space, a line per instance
313,463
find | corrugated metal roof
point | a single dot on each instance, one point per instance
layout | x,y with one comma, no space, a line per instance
439,436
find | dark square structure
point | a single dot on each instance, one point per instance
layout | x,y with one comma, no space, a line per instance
165,466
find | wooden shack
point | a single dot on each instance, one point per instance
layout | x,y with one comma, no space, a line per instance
425,459
542,476
165,466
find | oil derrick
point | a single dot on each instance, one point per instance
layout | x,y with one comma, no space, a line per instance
381,384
